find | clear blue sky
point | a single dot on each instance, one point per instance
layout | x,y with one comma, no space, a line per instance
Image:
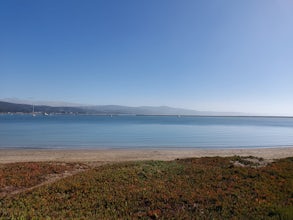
221,55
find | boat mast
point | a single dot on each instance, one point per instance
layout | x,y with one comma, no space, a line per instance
33,113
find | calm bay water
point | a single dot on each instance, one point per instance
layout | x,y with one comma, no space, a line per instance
71,131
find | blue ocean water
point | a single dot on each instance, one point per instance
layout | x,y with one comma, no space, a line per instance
95,132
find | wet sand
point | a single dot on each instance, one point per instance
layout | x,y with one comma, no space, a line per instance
118,155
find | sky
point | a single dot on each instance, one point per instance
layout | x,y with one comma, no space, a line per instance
216,55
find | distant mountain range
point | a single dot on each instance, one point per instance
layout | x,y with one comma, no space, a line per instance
6,107
37,102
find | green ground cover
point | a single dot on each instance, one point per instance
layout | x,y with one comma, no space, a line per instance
199,188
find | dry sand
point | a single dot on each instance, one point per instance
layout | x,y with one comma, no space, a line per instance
117,155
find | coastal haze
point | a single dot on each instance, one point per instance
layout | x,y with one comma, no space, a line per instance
70,108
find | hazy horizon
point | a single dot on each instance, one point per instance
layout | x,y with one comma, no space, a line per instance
69,104
223,56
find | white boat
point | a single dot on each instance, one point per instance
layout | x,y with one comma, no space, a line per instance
33,113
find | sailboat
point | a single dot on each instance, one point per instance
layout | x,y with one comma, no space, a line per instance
33,113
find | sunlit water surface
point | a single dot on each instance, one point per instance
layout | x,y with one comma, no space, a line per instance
96,132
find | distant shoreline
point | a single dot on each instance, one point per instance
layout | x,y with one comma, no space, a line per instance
29,107
141,115
119,155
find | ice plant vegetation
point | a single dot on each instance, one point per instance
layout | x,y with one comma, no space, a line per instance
197,188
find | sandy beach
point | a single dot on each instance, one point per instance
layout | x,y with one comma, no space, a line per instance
118,155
